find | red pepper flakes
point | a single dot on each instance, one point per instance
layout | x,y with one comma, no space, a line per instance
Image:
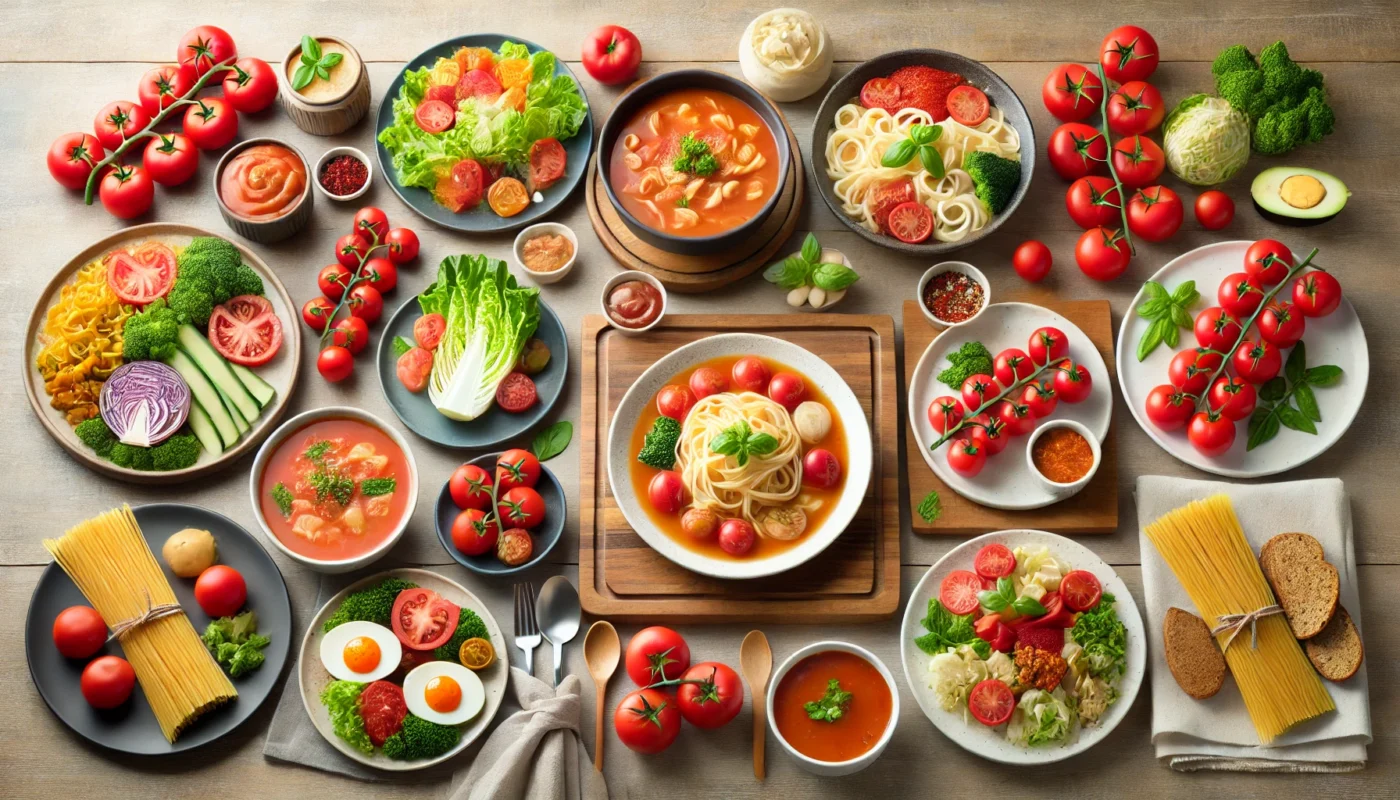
343,175
926,88
953,297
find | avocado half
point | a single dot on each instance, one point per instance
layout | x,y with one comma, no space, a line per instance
1298,195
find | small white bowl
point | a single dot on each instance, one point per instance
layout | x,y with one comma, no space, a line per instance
538,229
633,275
336,152
807,307
835,768
1064,490
954,266
289,429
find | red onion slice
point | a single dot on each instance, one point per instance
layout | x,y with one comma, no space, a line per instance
144,403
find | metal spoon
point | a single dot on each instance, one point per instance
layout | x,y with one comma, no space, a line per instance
756,661
601,649
558,614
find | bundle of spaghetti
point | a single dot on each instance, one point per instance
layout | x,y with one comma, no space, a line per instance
109,560
1205,547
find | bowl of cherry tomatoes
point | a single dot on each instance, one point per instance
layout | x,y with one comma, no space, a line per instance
500,513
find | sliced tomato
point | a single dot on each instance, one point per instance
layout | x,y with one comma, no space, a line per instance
958,592
422,620
991,702
884,198
1081,590
479,83
994,561
435,116
445,94
246,330
516,393
143,275
428,329
968,105
881,93
911,223
547,163
414,368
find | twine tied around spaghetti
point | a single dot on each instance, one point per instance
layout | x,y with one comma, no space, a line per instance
1234,623
151,614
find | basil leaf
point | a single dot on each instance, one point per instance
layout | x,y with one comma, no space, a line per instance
931,507
1155,291
553,440
1171,334
1295,419
925,134
1297,365
833,277
1155,308
302,77
331,59
1004,588
401,345
1325,375
991,600
323,73
725,444
1028,606
793,273
1151,339
1263,426
1181,317
310,47
1186,294
1273,391
898,154
1307,402
932,161
774,271
761,444
811,251
742,457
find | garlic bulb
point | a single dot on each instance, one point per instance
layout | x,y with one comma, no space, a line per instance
785,53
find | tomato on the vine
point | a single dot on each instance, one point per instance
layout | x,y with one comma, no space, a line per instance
1071,92
1155,213
1136,107
350,248
119,121
1073,383
72,157
1169,408
403,245
1211,433
161,86
1041,398
967,456
978,389
989,432
1102,253
944,413
250,86
1240,295
1281,324
1018,417
211,123
335,364
352,333
205,46
127,191
1216,329
1317,294
1128,53
1138,160
715,699
372,224
647,721
1233,398
316,313
1093,201
1214,209
171,159
1048,344
1190,370
1256,362
1011,365
1032,261
366,302
656,653
1076,150
381,273
1268,261
332,280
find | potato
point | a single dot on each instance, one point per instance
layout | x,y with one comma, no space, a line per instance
190,552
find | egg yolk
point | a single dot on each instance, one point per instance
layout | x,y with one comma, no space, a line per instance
442,694
361,654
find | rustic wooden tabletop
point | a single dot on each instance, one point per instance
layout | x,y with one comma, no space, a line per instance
60,62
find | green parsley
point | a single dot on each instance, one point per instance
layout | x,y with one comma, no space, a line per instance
931,507
973,358
373,487
331,484
832,706
317,452
283,497
683,202
695,158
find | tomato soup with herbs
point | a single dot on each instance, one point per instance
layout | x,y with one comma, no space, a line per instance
806,700
335,489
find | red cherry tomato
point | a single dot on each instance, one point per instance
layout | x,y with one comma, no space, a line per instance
1032,261
250,86
72,157
968,105
1268,261
1190,370
211,123
205,46
958,592
1138,161
736,537
666,492
1256,362
1073,383
1233,398
881,93
647,721
978,389
1040,398
1011,365
1169,408
1316,294
611,54
966,457
1214,209
335,364
317,312
403,245
994,561
521,507
352,333
1216,329
517,467
171,159
1128,53
161,86
713,698
1071,92
675,402
372,224
220,591
1047,345
1017,416
1240,295
474,533
350,249
79,632
382,274
332,280
1093,201
1076,150
788,390
366,302
470,487
751,374
1155,213
821,469
1080,590
944,413
1281,324
1136,107
1102,253
119,121
707,381
1211,433
127,191
107,682
989,432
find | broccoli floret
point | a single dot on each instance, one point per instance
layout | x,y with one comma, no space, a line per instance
994,177
95,434
225,652
209,271
1244,89
177,452
246,659
659,444
192,297
131,456
469,626
150,335
1233,59
214,636
419,738
243,281
1286,104
370,605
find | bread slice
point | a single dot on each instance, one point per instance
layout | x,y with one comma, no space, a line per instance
1192,655
1304,583
1337,651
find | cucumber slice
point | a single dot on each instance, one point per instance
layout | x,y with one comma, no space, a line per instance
217,369
238,421
260,389
203,429
206,395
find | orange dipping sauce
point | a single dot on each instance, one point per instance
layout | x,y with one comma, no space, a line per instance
263,182
1062,455
866,716
340,454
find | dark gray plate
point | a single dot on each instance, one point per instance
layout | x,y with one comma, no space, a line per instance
132,728
546,535
482,219
495,427
998,93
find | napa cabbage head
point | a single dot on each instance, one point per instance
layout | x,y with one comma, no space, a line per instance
489,318
1042,718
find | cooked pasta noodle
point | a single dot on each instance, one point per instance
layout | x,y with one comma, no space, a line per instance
1205,547
860,137
81,341
109,560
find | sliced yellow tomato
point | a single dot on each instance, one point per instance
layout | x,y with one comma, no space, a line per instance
514,73
513,98
508,197
446,72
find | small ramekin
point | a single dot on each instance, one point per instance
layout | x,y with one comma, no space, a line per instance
538,229
954,266
337,152
266,231
633,275
1063,490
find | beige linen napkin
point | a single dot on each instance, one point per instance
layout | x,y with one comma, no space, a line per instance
1216,734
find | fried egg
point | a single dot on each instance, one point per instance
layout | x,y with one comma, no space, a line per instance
444,692
360,651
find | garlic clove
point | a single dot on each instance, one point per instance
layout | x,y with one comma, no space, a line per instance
817,297
798,296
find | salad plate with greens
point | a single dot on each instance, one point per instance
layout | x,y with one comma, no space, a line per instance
1023,647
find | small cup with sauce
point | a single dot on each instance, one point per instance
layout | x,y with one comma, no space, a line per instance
1063,455
326,107
953,293
263,188
546,251
634,302
343,173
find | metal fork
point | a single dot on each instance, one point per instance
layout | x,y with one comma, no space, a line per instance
527,631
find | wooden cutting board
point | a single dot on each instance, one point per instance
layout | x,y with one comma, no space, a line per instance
1093,510
856,578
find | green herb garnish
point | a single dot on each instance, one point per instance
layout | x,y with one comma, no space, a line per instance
332,484
683,202
373,487
314,64
806,268
972,358
553,440
317,452
931,507
401,345
741,442
1295,386
1004,596
283,497
695,157
235,643
919,143
1167,312
832,706
947,630
1103,637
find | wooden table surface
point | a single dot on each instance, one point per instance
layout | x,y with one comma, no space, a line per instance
60,62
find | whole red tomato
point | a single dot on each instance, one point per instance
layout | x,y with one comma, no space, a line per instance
1256,362
1135,108
127,191
517,467
1214,209
656,653
1317,294
1211,433
715,699
335,364
470,487
1281,324
366,302
332,280
1040,398
161,86
1011,365
1076,150
250,86
647,721
1128,53
107,682
1268,261
350,248
317,312
1093,201
119,121
220,591
1217,329
381,274
72,157
1190,370
1071,92
1047,344
521,507
211,123
1073,382
1233,397
1155,213
403,245
372,224
1169,408
205,46
171,159
945,412
989,433
611,54
1102,253
1138,161
352,333
1017,416
1240,295
1032,261
474,533
967,456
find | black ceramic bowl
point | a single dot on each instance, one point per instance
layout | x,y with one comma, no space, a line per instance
630,103
546,535
847,90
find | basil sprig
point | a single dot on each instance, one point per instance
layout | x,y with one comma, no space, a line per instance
1000,598
919,143
1167,312
1277,398
553,440
314,64
741,442
807,269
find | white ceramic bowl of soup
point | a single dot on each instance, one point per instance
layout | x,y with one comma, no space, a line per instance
851,765
858,469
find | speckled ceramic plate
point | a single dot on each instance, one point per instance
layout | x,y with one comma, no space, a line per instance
546,535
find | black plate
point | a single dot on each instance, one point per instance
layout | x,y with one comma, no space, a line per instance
546,536
483,219
132,728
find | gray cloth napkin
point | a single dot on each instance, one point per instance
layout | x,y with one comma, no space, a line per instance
1216,734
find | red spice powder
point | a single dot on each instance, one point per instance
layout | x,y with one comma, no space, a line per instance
343,175
953,297
1062,455
926,88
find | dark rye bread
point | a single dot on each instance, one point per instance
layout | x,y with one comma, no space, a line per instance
1192,655
1304,583
1336,653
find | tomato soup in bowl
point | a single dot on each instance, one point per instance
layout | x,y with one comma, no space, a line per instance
833,707
334,488
263,188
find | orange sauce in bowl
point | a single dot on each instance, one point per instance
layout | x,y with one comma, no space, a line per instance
263,182
866,716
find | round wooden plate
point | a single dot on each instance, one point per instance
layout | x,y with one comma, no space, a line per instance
280,372
688,274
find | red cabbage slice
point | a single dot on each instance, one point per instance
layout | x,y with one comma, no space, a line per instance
144,403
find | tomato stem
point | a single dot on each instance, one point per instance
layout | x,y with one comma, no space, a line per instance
1108,160
356,278
987,405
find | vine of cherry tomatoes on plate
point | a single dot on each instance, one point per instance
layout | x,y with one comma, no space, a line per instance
994,408
206,54
707,695
498,513
1261,312
366,268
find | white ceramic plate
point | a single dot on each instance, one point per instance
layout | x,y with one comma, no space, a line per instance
813,368
1007,480
991,743
1334,339
312,677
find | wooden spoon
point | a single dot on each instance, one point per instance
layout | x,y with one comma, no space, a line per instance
601,649
756,660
